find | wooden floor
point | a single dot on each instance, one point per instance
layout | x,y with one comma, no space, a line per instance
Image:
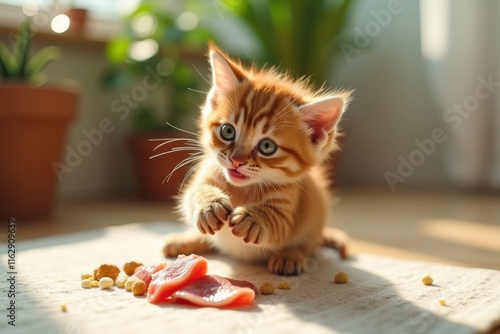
433,225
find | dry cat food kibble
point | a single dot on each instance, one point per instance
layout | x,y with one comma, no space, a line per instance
284,286
107,270
120,281
106,282
94,283
87,276
129,267
341,278
139,288
86,283
130,281
442,302
427,280
267,288
64,308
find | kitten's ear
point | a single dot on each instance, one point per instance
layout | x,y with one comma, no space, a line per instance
226,75
322,116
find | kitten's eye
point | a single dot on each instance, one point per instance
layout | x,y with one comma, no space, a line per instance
267,147
228,132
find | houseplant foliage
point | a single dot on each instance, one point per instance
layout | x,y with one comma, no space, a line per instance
174,48
33,121
166,39
297,35
17,65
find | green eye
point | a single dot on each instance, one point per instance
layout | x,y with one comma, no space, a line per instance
267,147
227,132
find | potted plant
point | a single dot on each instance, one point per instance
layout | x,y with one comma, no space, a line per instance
157,55
34,118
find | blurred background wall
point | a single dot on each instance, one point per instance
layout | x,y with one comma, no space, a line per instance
393,104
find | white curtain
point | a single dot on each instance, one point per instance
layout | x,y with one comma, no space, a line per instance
460,42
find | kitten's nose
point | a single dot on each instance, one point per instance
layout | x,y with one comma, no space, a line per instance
238,159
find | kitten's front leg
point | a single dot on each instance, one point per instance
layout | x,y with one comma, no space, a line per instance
208,207
259,223
245,224
205,208
256,223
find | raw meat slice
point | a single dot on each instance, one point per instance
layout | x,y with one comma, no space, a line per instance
216,291
181,272
145,272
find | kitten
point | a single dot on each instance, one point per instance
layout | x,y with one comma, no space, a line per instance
258,193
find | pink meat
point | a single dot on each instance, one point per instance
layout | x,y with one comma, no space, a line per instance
145,272
181,272
216,291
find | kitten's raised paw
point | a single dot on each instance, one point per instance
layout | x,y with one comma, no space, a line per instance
245,226
212,216
285,265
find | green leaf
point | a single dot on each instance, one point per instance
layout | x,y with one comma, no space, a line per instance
117,49
40,60
116,78
143,119
5,62
22,48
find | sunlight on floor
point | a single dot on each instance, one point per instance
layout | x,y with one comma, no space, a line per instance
464,232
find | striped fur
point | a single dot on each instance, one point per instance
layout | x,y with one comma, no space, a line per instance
245,200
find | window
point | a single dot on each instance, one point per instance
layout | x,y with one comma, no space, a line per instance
102,10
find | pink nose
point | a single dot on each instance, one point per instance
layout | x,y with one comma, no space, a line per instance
238,159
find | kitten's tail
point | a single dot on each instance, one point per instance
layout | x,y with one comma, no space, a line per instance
336,239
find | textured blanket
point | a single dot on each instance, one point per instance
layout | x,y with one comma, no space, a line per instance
384,295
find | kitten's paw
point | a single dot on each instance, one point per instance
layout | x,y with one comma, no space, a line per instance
184,243
212,217
286,265
245,226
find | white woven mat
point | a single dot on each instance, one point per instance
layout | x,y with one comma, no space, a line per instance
385,295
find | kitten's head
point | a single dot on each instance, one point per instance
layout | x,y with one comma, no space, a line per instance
264,127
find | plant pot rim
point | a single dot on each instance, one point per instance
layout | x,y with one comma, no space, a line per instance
64,85
26,102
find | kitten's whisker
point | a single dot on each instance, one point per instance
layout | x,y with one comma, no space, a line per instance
201,75
188,174
285,108
174,150
182,130
172,140
182,148
303,189
181,164
185,148
197,91
290,124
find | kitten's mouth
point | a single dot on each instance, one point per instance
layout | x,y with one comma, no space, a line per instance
236,175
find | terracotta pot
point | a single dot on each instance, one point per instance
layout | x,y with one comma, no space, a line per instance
77,20
151,174
33,126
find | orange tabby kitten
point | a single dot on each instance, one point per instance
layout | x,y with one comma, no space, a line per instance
258,193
